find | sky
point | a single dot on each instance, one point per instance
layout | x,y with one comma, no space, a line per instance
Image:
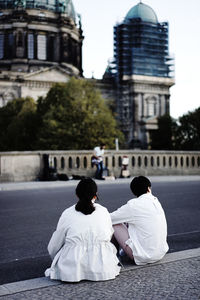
100,16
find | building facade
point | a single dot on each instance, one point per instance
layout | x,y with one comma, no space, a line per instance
143,71
40,43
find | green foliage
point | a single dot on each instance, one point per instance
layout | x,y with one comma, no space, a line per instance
18,125
188,132
75,116
163,138
72,116
181,135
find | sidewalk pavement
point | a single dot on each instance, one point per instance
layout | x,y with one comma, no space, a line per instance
9,186
176,276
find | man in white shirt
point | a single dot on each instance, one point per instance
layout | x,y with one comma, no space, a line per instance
97,159
140,225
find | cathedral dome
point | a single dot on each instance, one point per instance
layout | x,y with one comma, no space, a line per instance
38,34
143,12
63,6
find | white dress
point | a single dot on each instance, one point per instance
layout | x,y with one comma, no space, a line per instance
147,228
80,247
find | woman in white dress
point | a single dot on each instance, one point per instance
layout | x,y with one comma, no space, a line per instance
80,247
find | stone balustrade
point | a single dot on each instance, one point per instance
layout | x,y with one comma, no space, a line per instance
27,166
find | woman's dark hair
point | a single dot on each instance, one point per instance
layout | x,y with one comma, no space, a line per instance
86,190
139,185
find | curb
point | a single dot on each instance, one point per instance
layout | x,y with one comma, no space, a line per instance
57,184
42,282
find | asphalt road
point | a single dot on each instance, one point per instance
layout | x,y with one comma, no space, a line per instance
28,218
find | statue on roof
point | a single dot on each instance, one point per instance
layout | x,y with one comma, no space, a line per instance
20,3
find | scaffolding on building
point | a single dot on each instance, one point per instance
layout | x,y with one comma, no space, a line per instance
141,48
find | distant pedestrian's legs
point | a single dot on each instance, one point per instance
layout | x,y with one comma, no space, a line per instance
121,235
99,171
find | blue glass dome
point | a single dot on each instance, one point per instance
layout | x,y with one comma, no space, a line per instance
143,12
64,6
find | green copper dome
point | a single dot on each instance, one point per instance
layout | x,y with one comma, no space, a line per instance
143,12
63,6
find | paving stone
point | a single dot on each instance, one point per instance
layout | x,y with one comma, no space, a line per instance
176,280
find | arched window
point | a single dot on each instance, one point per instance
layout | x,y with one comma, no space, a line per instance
9,44
151,106
1,46
19,40
41,47
30,46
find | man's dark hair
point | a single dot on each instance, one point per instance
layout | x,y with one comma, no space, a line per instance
102,144
86,190
139,185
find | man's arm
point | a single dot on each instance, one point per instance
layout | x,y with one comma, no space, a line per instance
122,215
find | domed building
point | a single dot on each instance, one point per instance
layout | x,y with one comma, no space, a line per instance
40,43
143,72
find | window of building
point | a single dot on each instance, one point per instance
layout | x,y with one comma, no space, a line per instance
30,3
51,47
19,39
51,2
30,46
9,45
41,46
41,3
10,39
1,46
151,107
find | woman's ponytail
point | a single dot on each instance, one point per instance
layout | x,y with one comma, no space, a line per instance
86,190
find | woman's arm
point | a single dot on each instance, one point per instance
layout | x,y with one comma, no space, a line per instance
56,242
58,238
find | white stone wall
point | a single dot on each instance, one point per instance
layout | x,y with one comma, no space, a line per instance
16,166
28,166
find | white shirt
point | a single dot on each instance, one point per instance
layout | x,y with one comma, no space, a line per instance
147,228
81,248
98,151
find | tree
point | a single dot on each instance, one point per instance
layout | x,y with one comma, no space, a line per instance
163,137
18,125
188,132
74,116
